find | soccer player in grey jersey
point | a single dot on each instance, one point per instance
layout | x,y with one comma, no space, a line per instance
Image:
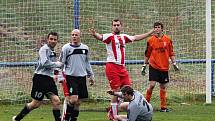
75,56
137,106
43,82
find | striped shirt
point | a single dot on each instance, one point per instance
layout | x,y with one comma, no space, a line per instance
46,62
76,60
115,45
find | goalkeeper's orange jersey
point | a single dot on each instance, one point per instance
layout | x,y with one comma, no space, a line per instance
158,51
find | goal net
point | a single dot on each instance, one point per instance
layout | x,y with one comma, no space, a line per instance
24,25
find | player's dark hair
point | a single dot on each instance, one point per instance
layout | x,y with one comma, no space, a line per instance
157,24
116,20
128,90
53,33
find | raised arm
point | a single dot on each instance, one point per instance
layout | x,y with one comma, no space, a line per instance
143,36
95,34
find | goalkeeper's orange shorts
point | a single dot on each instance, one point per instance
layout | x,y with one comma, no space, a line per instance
117,75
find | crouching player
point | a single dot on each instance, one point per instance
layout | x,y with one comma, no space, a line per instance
138,109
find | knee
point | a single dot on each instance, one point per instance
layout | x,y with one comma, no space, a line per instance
33,105
162,86
55,101
77,103
151,87
72,100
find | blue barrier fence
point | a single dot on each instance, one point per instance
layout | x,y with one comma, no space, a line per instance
100,63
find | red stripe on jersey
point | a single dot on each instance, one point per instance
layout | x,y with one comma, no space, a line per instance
121,49
114,49
126,39
108,40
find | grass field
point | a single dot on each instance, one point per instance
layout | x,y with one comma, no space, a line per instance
198,112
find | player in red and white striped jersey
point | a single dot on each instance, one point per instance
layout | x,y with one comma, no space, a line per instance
115,66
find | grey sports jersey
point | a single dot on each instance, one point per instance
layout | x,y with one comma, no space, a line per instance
139,109
46,62
76,60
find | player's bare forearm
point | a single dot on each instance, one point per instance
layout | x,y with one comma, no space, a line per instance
111,92
143,36
95,34
146,60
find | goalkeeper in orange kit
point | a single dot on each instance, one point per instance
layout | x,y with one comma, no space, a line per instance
159,51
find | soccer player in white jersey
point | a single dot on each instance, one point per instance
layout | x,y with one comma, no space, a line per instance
43,81
115,67
75,57
137,106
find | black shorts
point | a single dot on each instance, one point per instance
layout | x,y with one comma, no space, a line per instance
158,76
77,86
43,85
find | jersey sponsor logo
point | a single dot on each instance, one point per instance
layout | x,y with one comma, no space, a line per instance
53,54
160,49
78,51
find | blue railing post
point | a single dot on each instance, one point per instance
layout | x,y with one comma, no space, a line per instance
76,13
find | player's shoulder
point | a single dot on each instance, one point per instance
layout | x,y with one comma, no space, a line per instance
124,34
44,47
84,46
152,38
166,37
66,45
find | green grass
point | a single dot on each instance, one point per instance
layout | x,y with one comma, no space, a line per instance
198,112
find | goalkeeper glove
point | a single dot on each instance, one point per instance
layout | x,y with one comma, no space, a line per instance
92,81
175,66
143,70
111,92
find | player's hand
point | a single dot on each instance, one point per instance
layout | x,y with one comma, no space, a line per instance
92,31
175,66
152,31
143,70
59,64
58,76
92,81
111,92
